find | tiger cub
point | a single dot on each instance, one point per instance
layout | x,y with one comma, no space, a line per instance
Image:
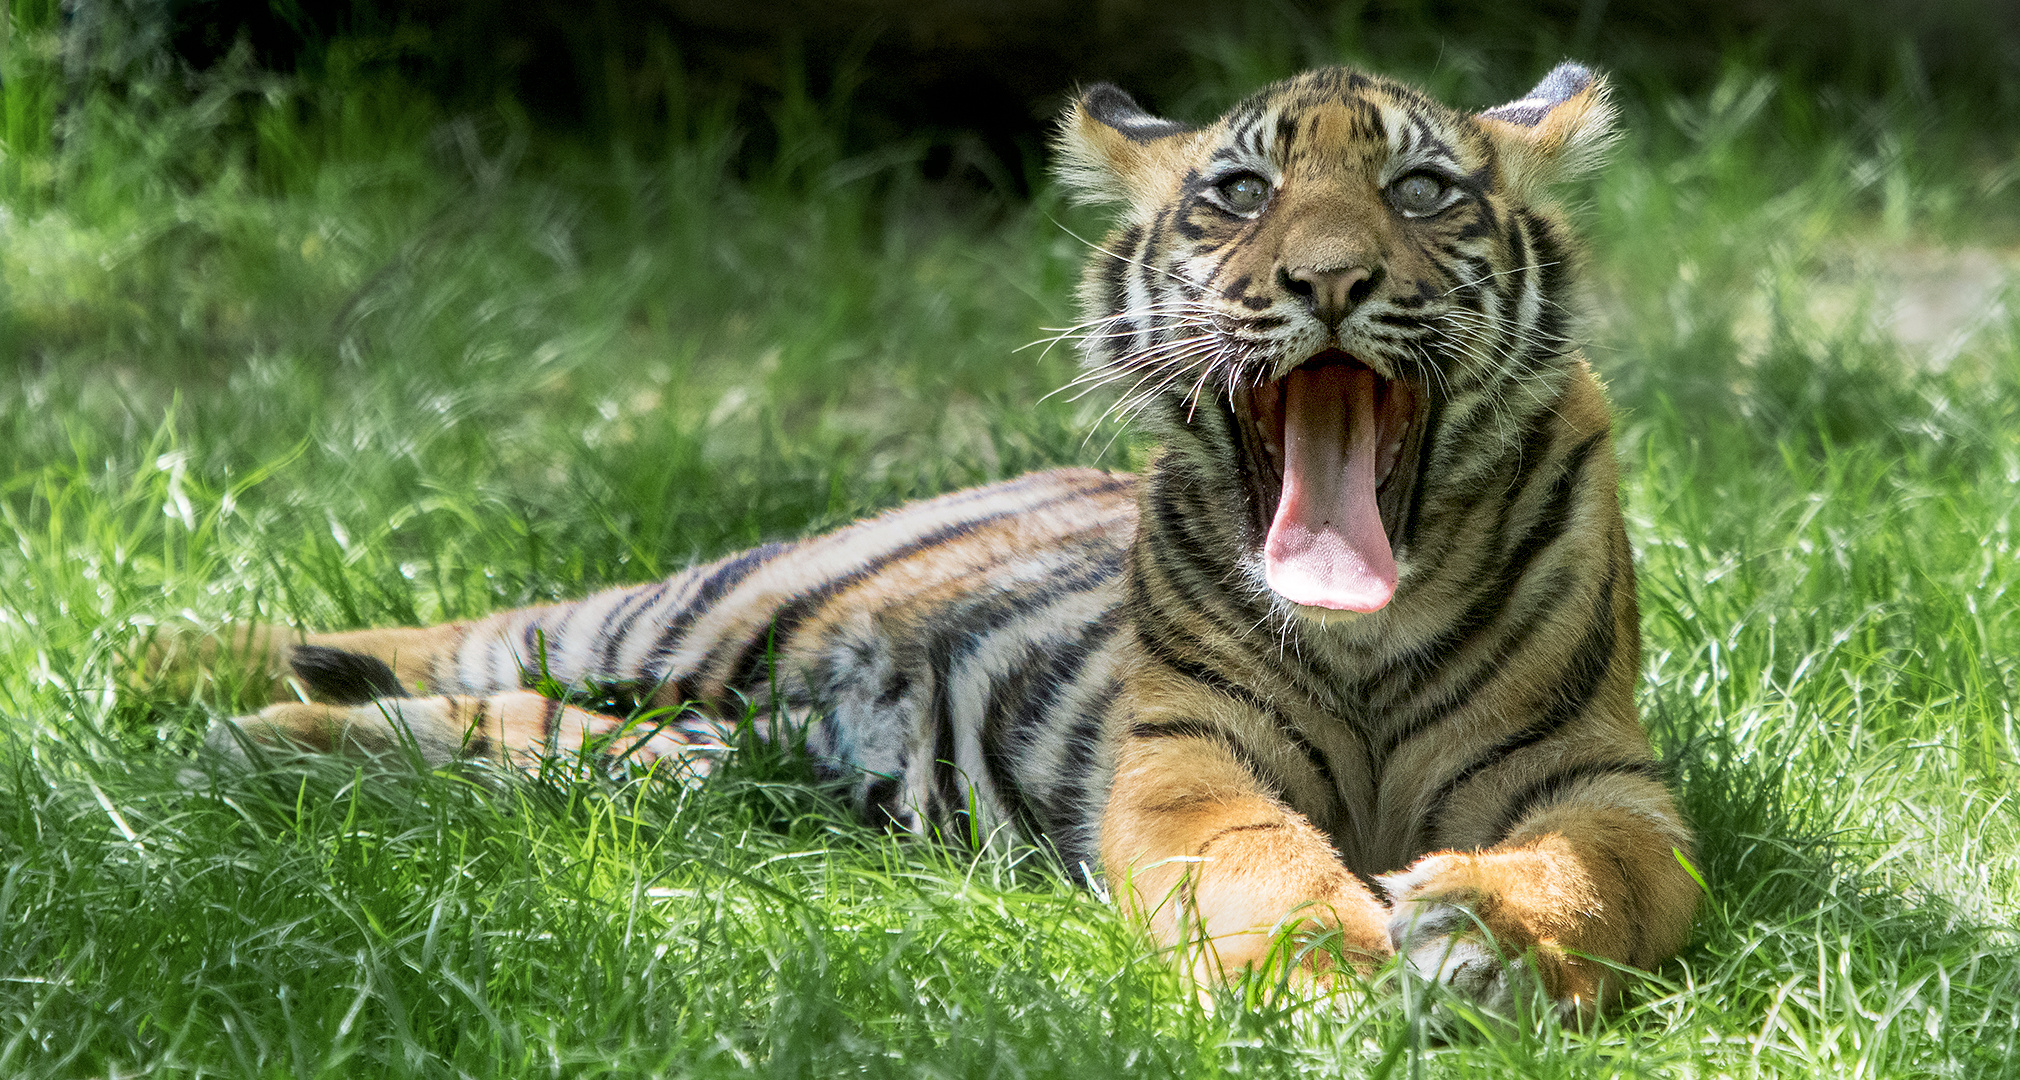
1355,655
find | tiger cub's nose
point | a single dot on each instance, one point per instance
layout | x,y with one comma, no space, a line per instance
1331,295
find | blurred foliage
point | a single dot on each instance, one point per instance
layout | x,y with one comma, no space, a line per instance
967,88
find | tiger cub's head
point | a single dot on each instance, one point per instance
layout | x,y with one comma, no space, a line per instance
1296,292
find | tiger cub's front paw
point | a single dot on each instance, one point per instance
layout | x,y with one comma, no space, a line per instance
1494,929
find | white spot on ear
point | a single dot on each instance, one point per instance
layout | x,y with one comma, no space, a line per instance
1564,82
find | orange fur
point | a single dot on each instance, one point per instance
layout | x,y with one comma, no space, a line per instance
1206,857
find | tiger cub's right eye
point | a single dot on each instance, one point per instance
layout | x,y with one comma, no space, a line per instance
1243,193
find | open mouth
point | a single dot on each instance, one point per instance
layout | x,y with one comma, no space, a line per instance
1326,440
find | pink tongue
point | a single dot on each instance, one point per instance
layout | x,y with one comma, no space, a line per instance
1326,547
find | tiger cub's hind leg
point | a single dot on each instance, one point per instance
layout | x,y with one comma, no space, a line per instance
517,727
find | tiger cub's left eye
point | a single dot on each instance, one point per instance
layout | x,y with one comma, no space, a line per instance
1418,193
1243,193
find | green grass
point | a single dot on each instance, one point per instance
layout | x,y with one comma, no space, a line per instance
317,355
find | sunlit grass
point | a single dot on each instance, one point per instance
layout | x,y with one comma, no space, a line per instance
372,367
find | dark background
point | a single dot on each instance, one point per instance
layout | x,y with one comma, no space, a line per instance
974,82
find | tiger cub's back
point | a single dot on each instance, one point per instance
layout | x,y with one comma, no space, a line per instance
952,654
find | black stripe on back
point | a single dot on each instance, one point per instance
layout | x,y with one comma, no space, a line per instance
718,584
1020,691
626,616
742,674
532,654
969,625
943,798
964,631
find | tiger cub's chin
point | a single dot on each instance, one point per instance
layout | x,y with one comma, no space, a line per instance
1323,616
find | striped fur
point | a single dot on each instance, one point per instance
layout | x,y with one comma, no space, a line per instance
1100,663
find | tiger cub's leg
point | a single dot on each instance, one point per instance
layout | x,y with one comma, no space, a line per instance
357,685
1192,841
517,727
1585,882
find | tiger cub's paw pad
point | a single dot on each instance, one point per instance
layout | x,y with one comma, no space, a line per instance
1442,943
1451,931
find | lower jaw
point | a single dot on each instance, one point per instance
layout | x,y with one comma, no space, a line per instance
1325,616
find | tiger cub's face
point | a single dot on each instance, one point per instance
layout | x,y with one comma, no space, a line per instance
1295,293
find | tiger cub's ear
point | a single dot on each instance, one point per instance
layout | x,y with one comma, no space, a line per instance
1556,131
1111,151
